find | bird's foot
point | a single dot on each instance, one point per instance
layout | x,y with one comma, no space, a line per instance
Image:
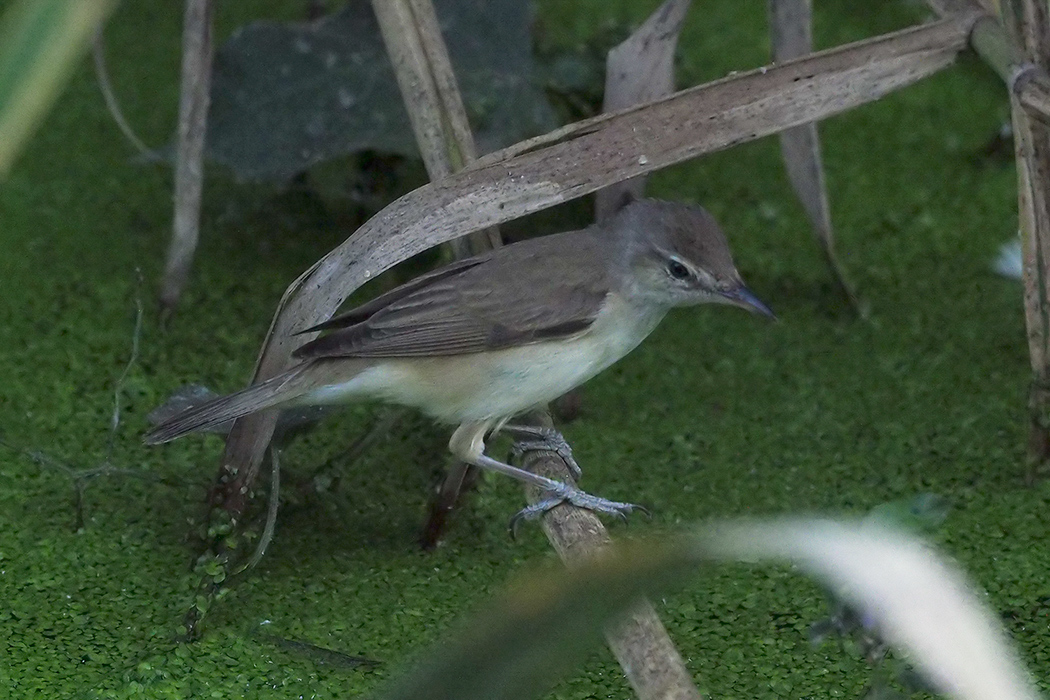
564,493
531,438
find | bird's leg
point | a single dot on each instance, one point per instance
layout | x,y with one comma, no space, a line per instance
533,437
468,443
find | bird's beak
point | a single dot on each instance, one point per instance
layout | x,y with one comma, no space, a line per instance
746,299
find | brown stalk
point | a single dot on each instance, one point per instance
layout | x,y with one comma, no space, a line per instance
640,642
1029,22
791,34
638,70
413,41
412,36
574,161
194,99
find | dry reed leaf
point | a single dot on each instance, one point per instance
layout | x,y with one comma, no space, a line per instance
579,159
412,36
791,29
640,69
1028,22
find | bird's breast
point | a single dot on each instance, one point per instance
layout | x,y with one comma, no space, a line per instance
505,382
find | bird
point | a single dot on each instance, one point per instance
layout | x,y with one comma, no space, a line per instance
484,339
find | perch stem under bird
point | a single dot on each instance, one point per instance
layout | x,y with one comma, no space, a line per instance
484,339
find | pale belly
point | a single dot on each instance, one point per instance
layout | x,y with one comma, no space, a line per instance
500,383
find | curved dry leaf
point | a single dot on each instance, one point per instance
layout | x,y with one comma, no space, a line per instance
582,158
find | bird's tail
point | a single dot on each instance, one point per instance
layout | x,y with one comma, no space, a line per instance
280,389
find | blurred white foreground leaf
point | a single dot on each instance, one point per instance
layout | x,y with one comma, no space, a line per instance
919,601
533,634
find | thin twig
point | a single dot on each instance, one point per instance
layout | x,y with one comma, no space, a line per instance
194,98
43,459
81,477
273,501
386,421
98,53
322,656
136,335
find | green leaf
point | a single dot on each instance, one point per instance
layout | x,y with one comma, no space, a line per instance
287,96
922,514
528,638
40,41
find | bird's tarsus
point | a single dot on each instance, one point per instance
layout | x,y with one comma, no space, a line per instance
534,438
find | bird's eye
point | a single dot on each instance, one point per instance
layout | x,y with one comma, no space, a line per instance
677,270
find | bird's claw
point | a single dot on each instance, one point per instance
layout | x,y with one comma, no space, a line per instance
546,439
581,499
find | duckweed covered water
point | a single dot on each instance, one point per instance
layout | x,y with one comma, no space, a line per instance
719,414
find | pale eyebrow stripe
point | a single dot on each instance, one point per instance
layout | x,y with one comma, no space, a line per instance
699,272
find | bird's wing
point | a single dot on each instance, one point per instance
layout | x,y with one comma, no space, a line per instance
542,289
363,312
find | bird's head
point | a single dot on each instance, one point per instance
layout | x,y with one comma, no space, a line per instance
677,255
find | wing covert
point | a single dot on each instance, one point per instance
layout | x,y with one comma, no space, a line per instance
537,290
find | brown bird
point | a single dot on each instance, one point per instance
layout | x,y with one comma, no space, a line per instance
481,340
